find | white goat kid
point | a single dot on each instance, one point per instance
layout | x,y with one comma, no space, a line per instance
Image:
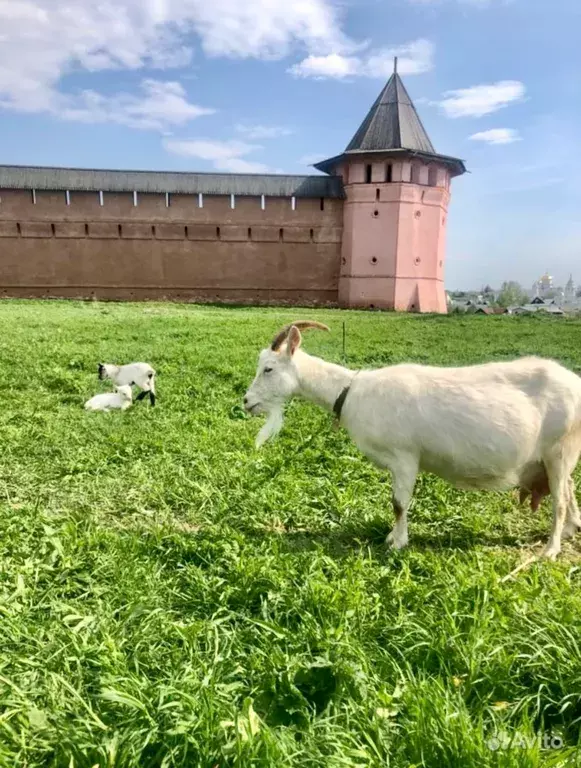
120,400
491,427
141,375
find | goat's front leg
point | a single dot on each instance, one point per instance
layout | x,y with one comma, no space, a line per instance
403,474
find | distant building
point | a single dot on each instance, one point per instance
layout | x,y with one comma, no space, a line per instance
468,302
545,297
492,311
570,290
550,309
544,285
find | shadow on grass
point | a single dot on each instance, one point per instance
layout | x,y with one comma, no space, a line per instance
344,542
203,545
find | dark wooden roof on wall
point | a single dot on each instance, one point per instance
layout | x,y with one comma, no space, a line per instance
87,180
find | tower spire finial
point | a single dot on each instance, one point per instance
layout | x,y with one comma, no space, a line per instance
395,65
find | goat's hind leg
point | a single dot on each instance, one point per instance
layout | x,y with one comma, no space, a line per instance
558,475
403,472
573,519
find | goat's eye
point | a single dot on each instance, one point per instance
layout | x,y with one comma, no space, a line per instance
267,370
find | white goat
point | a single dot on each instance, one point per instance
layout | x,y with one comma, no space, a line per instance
490,427
121,399
141,375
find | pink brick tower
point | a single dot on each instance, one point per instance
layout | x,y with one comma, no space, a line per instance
397,192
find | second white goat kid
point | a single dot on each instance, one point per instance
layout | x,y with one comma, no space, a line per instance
119,400
141,375
494,426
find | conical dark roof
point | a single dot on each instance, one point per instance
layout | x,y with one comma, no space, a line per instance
392,123
392,128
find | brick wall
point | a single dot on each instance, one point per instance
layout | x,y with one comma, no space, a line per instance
126,246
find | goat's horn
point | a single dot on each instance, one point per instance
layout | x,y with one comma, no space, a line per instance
302,325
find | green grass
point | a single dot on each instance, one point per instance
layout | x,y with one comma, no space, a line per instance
171,597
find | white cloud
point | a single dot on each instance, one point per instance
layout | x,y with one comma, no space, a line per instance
239,165
413,59
208,149
263,131
225,155
321,67
497,136
480,100
163,104
44,40
264,28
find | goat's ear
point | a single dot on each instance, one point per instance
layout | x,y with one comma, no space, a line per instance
293,341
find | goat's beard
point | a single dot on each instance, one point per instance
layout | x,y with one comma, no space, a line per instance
272,426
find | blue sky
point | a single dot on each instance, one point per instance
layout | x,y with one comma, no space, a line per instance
269,86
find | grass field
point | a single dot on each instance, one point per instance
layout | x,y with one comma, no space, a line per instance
171,597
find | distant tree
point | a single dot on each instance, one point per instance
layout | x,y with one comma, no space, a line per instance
511,294
487,289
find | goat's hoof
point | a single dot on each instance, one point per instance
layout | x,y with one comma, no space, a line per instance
396,542
570,530
551,553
